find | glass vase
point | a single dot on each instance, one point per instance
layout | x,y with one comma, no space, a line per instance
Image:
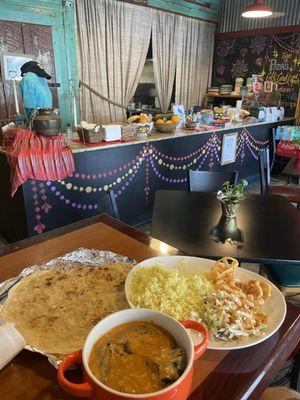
230,208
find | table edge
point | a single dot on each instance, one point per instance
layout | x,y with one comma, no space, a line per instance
104,218
260,260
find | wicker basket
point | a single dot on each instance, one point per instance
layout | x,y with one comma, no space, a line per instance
139,130
128,133
90,136
165,128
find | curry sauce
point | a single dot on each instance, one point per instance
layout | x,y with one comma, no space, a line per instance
137,357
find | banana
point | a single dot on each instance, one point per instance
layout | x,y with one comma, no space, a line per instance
145,117
134,118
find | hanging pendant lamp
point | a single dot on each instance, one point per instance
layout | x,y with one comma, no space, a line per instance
257,10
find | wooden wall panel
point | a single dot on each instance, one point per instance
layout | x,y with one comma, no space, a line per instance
35,40
11,37
11,40
60,16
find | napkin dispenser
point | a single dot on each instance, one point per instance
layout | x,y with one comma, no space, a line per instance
111,132
11,343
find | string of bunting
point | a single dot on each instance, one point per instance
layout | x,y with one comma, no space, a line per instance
284,45
154,160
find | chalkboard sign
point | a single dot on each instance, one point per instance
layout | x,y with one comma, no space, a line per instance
275,56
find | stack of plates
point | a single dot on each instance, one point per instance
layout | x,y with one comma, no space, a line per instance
213,90
226,89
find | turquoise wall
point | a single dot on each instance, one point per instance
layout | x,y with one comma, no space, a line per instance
60,16
202,9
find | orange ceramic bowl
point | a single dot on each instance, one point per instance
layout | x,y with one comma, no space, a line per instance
96,390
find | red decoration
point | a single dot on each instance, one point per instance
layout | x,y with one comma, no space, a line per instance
31,156
286,148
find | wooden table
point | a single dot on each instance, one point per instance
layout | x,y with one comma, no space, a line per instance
267,227
292,169
238,374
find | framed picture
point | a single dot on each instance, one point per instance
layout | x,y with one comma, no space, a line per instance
11,64
229,145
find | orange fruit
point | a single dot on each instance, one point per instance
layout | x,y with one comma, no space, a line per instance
170,122
175,119
160,121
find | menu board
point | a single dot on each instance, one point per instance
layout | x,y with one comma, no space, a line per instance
274,56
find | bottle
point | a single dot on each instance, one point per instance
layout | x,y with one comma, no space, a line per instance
69,132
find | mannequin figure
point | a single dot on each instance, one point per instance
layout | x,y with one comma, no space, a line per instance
35,90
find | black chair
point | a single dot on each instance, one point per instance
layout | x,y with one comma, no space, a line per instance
285,277
209,181
108,205
277,163
290,193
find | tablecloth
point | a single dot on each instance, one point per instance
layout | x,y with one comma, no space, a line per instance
31,156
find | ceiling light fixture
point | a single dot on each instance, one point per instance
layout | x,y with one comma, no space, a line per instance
257,10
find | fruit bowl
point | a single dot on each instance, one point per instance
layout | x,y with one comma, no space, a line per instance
166,123
165,128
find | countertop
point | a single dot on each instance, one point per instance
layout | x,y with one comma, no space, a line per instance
156,136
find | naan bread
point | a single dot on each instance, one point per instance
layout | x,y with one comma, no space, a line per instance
55,309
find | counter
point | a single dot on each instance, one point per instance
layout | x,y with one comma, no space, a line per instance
157,136
134,170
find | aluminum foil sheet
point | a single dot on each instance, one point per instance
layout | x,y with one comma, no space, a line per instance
81,255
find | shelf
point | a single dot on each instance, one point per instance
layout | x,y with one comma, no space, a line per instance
229,96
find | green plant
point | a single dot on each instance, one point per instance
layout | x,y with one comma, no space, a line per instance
231,192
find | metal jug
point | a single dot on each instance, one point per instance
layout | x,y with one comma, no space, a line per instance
47,123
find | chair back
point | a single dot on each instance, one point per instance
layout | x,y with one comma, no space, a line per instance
209,181
264,170
108,205
272,148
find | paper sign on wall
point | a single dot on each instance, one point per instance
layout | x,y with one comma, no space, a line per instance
229,145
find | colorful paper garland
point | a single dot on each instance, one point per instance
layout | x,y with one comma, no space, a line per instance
154,159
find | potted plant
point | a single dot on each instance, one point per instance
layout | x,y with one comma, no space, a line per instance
230,197
297,148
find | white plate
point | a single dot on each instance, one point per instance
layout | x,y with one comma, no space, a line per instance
274,308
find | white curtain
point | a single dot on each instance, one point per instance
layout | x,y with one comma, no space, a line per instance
164,47
194,60
113,39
